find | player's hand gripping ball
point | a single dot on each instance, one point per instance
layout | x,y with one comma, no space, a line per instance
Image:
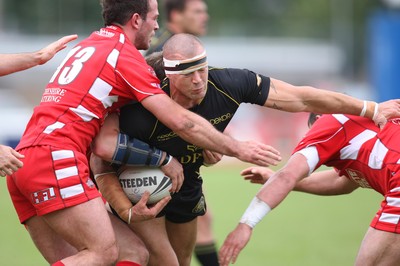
136,180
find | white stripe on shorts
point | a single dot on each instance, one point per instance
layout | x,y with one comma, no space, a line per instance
62,154
395,202
395,189
71,191
389,218
66,172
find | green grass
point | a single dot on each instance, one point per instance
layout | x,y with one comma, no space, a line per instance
303,230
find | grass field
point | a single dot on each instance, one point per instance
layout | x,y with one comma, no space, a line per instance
304,230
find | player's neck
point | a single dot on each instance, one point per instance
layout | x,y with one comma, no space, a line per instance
183,100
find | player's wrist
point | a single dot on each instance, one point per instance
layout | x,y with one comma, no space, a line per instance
369,110
255,212
167,159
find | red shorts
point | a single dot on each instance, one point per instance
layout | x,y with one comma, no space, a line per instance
388,217
50,180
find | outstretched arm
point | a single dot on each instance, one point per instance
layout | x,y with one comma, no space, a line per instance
286,97
324,183
195,129
10,63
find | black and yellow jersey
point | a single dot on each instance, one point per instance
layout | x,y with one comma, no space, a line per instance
227,88
158,41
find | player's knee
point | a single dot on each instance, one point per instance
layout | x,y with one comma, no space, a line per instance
142,255
135,253
109,255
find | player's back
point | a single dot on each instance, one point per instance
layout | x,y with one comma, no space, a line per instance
79,94
360,150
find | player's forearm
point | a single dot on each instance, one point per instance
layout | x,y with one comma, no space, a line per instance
10,63
326,183
201,133
113,193
323,101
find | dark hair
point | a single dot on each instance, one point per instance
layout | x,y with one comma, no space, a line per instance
312,118
174,5
155,60
120,11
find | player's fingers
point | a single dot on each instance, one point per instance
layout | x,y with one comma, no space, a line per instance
145,197
246,171
65,40
17,155
2,173
160,205
181,178
226,256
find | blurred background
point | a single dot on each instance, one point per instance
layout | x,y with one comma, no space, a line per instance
350,46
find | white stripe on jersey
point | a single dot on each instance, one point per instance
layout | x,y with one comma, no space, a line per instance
84,113
49,129
377,155
311,153
62,154
389,218
101,90
351,151
122,38
341,118
113,57
391,201
66,172
71,191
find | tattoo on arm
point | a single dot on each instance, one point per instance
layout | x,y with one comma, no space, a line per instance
274,105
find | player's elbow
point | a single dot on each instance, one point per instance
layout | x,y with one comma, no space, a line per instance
103,150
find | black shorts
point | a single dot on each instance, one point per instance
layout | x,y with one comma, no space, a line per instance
187,204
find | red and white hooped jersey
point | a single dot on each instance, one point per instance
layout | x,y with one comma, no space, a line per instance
356,148
98,75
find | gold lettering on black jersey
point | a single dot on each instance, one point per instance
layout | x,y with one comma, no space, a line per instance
222,118
168,136
190,158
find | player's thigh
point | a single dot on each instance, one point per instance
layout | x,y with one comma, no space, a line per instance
183,238
52,247
379,248
154,235
130,246
85,226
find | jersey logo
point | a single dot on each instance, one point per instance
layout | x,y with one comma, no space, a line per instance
200,206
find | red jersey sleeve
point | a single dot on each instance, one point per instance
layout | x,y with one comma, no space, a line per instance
322,142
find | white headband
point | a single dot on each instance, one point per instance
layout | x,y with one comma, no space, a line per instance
185,66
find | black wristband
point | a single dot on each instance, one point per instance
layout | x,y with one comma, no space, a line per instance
166,159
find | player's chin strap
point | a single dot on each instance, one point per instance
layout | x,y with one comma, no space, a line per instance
134,152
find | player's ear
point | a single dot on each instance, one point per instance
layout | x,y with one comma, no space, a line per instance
136,21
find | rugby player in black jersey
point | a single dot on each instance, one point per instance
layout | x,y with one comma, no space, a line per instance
215,94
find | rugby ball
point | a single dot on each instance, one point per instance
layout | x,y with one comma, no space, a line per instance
136,180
